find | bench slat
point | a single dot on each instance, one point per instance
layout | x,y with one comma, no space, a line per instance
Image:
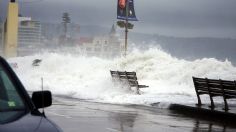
229,87
230,92
227,82
230,96
198,79
143,86
202,92
215,89
200,89
132,78
201,84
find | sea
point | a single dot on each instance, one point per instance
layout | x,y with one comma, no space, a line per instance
88,78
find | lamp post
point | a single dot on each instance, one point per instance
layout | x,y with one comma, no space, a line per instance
126,27
125,12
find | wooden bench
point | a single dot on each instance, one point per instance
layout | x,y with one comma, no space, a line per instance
214,88
129,78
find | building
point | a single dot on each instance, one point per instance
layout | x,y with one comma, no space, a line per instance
108,46
11,30
29,36
52,34
1,38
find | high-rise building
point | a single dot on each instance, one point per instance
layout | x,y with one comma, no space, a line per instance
11,30
29,36
1,38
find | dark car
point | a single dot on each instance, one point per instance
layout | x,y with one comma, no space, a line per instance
19,112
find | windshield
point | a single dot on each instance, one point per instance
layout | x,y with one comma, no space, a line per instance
11,104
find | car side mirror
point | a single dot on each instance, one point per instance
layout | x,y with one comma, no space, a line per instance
42,99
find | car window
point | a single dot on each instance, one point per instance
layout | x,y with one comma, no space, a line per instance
11,103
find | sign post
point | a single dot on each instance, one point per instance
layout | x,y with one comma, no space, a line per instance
125,12
126,27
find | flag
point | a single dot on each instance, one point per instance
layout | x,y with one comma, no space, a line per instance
121,10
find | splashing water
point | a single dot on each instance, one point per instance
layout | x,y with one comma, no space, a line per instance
169,78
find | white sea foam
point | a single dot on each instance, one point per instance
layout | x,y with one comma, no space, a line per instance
169,78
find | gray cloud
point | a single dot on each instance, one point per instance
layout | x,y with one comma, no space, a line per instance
172,17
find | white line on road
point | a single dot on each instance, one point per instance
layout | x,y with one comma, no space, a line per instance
113,130
66,116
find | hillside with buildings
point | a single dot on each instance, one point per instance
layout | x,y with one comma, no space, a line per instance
35,37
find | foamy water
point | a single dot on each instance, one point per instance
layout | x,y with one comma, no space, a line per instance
169,78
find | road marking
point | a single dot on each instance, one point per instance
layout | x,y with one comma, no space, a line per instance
114,130
66,116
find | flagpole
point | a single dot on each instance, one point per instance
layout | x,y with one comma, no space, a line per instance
126,27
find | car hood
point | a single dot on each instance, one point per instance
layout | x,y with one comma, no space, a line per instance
30,123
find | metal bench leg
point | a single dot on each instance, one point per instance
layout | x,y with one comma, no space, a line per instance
212,103
199,100
226,108
210,127
137,90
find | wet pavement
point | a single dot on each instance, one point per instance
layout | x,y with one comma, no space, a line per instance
74,115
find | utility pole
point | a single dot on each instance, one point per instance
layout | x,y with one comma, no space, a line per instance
125,12
126,27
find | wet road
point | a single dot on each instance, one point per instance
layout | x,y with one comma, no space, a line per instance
74,115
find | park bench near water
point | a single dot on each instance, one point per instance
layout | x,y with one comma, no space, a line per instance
127,78
213,88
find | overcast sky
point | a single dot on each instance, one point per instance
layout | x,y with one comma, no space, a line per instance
187,18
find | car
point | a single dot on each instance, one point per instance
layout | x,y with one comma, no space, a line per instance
19,112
